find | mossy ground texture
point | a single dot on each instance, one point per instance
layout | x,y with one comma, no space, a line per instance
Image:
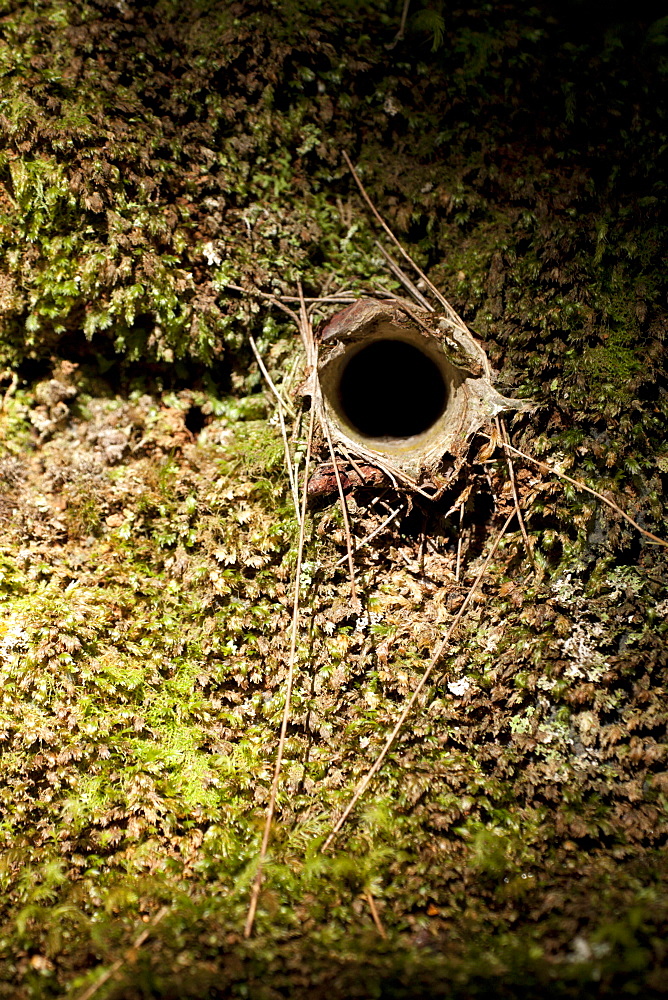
151,155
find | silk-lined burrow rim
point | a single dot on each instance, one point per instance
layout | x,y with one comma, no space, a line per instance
404,385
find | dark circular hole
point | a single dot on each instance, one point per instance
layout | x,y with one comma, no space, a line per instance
195,420
391,389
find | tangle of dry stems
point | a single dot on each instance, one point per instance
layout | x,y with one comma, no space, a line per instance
364,782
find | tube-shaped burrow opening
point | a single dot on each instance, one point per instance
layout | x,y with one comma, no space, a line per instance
388,385
390,389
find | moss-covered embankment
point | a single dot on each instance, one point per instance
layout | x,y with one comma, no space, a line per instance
149,156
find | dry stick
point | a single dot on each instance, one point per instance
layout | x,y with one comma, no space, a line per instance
372,534
402,27
455,321
404,279
373,460
346,296
284,433
311,349
459,543
281,399
255,892
306,334
384,292
353,463
409,312
421,548
503,434
265,295
436,656
588,489
346,518
113,969
374,913
287,382
315,299
441,299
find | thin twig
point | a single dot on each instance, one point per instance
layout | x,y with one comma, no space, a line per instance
257,885
436,656
421,547
402,27
353,463
587,489
287,381
315,299
113,969
306,330
346,517
344,296
372,534
265,295
307,335
440,298
404,279
459,543
284,433
503,434
462,332
384,292
374,913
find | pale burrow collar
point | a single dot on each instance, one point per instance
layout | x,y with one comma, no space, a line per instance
403,389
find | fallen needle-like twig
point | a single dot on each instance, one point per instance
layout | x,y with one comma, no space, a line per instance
318,299
372,534
284,434
257,884
364,782
374,913
402,26
587,489
346,518
404,279
270,298
503,434
459,543
434,290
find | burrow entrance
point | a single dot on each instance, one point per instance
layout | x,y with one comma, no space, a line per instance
390,389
